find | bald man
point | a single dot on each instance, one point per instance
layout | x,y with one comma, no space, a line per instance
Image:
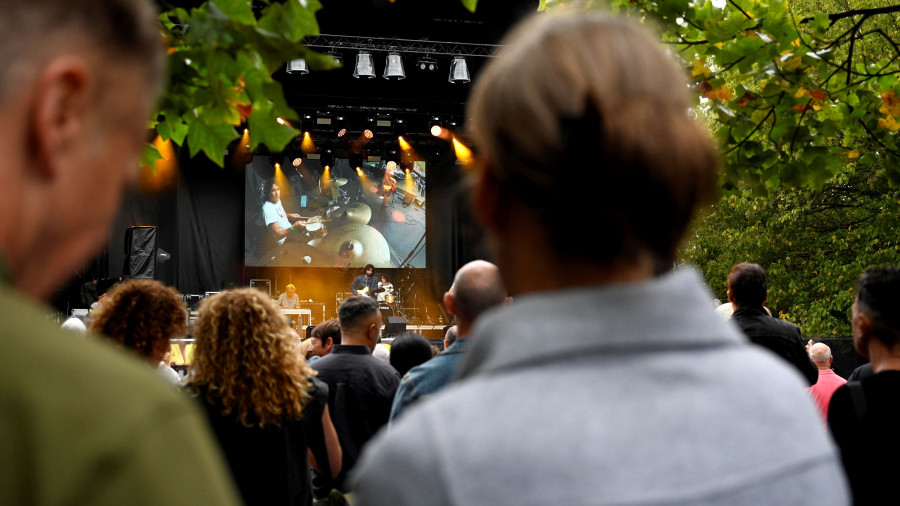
476,288
828,381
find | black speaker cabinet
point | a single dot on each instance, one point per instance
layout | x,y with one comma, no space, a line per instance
395,325
140,252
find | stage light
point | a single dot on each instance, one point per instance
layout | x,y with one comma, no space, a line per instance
367,134
342,132
298,66
459,70
281,121
392,165
297,162
364,66
436,130
463,153
307,146
277,166
427,63
393,68
405,146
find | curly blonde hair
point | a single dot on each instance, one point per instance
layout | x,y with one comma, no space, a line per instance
248,360
142,315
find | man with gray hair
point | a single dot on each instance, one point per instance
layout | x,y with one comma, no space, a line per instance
82,422
829,381
476,288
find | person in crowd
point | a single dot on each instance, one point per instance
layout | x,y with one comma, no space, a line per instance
279,221
165,368
366,283
322,339
577,393
476,288
289,299
74,324
83,422
361,387
382,352
268,411
450,336
89,293
829,381
748,291
863,416
143,315
409,350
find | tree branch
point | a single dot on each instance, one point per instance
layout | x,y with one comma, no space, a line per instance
856,12
738,7
758,125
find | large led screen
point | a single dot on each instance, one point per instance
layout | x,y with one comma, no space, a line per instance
300,213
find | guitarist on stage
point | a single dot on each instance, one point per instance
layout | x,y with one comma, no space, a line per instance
366,283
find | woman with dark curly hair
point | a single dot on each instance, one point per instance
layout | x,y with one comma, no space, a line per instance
143,315
268,412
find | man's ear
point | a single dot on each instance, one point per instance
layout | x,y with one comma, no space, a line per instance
450,303
864,326
57,119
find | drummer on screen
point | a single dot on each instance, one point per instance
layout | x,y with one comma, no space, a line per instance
278,221
366,283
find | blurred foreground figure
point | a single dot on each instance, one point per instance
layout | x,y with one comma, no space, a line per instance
601,384
864,415
80,421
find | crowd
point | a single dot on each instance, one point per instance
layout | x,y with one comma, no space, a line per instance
609,380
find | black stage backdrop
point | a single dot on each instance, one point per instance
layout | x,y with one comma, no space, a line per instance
201,224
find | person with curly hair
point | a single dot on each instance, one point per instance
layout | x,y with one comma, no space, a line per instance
143,315
270,415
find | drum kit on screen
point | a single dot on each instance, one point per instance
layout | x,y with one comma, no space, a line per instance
341,237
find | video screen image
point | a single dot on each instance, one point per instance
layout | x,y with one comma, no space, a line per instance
315,215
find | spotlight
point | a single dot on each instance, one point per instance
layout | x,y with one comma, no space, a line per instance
365,67
367,134
342,132
435,126
297,162
393,68
392,165
436,130
427,63
459,70
298,66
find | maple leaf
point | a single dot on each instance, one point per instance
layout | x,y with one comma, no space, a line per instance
890,104
700,68
800,108
818,95
889,123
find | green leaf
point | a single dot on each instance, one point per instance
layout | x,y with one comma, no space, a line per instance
238,10
265,129
173,129
213,140
149,156
470,4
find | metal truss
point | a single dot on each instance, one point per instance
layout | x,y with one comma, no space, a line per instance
421,47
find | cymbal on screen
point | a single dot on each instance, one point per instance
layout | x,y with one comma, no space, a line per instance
356,245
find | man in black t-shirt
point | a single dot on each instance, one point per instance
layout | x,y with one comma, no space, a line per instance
864,416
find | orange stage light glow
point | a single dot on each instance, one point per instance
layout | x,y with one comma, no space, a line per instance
368,134
297,162
463,153
405,146
307,146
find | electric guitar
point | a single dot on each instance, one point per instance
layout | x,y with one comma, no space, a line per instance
367,291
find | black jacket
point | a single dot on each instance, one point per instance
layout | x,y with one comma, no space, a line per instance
779,336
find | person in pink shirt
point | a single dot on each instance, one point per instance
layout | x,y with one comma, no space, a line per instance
828,381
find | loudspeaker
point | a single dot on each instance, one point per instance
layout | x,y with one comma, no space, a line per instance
396,325
140,252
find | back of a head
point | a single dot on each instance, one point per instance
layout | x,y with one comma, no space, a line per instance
476,288
356,311
577,96
327,329
409,350
33,31
141,315
820,353
748,284
878,296
248,359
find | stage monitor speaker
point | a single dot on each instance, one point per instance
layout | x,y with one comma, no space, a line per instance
141,253
395,326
